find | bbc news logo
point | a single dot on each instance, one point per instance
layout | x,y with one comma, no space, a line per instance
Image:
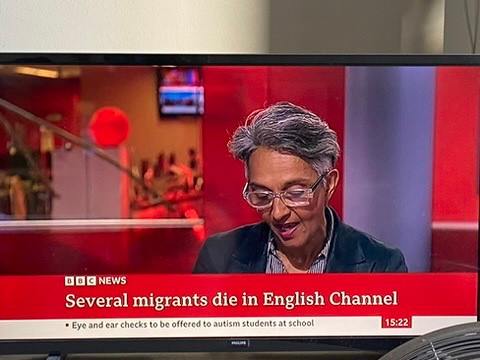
80,280
94,280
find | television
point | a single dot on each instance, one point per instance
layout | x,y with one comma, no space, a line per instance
100,246
181,91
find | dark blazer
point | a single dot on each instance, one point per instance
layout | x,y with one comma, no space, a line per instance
244,250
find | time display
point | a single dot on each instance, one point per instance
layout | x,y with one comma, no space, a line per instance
396,322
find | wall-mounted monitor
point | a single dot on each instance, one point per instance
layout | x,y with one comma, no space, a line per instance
181,91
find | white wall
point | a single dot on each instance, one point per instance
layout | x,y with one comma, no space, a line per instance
457,40
232,26
142,26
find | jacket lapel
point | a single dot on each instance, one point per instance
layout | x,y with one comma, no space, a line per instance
251,255
346,255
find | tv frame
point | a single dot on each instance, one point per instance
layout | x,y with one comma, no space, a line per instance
256,344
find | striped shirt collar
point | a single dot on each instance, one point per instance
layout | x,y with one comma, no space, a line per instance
275,264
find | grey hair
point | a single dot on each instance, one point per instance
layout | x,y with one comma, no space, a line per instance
288,129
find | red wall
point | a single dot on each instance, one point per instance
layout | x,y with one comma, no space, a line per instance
231,94
456,169
456,147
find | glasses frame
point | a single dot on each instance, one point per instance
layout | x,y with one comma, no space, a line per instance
280,195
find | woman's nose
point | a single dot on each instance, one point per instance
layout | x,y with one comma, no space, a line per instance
279,210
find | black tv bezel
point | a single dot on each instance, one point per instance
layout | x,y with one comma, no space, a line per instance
195,344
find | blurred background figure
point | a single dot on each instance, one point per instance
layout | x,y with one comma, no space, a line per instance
159,168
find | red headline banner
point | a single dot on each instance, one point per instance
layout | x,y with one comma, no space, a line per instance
171,296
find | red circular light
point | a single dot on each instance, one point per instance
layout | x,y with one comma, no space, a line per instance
109,126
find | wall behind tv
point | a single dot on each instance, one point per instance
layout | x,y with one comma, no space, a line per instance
231,26
181,26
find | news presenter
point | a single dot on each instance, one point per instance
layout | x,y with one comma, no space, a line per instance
290,155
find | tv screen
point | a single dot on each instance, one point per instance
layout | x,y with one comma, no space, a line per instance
181,91
313,203
178,100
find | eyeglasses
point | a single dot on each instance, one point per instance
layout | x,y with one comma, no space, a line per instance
263,199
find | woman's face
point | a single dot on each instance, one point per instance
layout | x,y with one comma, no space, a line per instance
294,227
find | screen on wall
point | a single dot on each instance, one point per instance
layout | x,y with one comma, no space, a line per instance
302,207
181,91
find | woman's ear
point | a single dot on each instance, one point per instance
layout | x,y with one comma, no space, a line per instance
332,182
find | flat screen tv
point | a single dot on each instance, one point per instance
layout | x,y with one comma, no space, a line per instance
180,91
360,173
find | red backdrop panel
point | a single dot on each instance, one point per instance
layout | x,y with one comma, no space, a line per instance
456,161
456,148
